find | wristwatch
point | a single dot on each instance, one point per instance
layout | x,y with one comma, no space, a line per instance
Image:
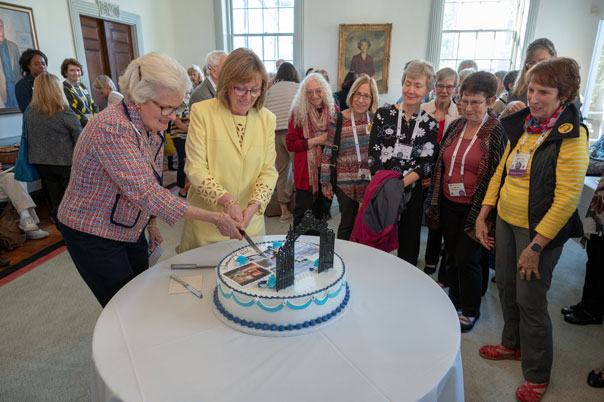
536,247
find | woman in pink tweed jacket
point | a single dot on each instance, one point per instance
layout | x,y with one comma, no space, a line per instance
115,190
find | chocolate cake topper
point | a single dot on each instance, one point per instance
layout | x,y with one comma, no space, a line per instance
284,274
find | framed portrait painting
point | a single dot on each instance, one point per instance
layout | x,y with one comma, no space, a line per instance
17,34
365,49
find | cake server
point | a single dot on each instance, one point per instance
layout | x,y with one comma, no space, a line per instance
252,244
186,285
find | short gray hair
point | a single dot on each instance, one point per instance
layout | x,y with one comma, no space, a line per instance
213,58
418,68
463,74
103,81
445,74
148,74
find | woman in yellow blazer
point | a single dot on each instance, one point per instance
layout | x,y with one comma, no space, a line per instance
231,151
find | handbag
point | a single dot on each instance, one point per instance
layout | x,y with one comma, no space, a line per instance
24,171
333,172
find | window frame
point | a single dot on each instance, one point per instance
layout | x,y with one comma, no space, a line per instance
591,82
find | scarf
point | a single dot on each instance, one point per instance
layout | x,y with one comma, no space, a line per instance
315,124
531,125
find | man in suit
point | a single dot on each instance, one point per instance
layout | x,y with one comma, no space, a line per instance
207,89
9,69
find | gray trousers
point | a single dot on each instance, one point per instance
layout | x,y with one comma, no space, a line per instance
284,164
527,325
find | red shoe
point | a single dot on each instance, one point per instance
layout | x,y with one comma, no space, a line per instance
527,392
498,352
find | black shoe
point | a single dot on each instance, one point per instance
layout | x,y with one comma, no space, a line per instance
4,262
582,317
429,269
595,380
572,309
469,322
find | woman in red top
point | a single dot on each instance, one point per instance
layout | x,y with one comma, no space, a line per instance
469,155
312,109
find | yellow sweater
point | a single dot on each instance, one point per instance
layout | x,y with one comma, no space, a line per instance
512,201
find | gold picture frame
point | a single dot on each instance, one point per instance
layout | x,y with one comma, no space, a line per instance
365,47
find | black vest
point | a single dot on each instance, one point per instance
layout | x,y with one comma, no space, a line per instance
543,170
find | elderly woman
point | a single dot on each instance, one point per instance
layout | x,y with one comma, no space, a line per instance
403,139
77,94
444,111
362,63
536,188
306,134
351,168
51,124
279,99
104,84
468,157
195,75
115,190
231,151
538,51
33,63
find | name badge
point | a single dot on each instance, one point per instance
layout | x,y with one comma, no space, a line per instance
364,174
519,165
402,151
457,190
89,115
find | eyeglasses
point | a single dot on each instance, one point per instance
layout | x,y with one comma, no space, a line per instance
449,88
364,96
317,92
168,110
242,91
475,103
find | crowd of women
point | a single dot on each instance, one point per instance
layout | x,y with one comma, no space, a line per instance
509,182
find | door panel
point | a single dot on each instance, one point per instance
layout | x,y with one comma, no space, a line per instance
92,32
119,47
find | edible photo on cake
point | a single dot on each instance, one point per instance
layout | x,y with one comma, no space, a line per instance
246,274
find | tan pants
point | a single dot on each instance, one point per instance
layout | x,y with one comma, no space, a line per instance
16,192
284,165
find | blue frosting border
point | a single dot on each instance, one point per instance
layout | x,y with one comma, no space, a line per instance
221,279
281,328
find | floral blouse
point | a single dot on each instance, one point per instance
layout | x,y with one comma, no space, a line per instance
382,141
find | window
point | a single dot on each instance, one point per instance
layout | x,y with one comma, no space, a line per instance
593,108
487,31
266,27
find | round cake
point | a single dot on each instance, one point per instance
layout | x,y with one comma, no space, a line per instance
245,297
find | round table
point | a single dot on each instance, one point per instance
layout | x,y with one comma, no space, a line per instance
399,340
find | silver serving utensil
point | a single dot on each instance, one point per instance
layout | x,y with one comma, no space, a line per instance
252,244
186,285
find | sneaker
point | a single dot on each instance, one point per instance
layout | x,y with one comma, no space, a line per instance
285,218
27,224
36,234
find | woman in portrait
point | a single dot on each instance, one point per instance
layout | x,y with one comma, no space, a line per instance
77,94
231,151
536,214
362,63
403,139
33,63
115,191
307,129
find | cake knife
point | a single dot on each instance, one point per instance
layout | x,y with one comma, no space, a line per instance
251,243
186,285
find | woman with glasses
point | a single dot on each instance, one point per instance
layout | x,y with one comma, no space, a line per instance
351,168
538,51
403,139
534,192
231,151
76,93
115,191
468,157
444,111
307,129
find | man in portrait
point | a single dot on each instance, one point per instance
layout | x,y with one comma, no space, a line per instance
362,63
9,69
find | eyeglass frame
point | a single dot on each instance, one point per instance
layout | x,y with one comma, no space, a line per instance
172,109
244,91
316,91
474,104
364,96
448,88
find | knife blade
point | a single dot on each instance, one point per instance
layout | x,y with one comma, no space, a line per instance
186,285
252,244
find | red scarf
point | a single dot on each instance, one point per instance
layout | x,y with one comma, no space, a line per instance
531,125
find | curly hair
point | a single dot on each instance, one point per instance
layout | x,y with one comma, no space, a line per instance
26,58
366,41
301,103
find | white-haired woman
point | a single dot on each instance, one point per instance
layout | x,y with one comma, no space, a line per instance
403,139
115,191
352,170
104,84
195,75
312,109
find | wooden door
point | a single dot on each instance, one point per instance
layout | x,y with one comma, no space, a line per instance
109,50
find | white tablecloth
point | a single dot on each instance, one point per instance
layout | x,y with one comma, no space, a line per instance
399,340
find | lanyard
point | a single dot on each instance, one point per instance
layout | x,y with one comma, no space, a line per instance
463,158
354,132
400,119
539,141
